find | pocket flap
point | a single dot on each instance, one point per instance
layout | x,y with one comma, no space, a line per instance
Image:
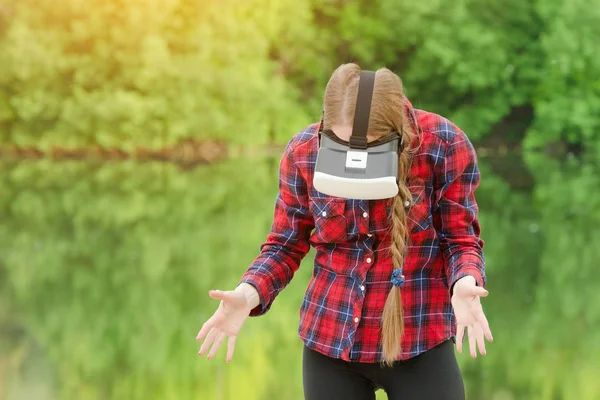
327,207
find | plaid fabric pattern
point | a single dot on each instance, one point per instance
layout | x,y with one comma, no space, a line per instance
341,312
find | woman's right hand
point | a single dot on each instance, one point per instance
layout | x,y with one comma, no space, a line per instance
228,319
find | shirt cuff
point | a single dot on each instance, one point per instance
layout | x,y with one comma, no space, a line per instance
263,295
468,265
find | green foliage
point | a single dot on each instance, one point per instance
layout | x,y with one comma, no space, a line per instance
139,73
107,270
128,74
568,94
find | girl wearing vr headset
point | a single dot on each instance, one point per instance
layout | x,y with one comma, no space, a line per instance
396,281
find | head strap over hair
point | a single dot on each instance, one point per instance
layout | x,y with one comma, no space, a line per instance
358,140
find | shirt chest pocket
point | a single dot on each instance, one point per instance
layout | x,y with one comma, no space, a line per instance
331,225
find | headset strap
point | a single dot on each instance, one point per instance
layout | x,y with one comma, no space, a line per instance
358,140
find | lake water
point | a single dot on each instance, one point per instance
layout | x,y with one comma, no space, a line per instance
105,269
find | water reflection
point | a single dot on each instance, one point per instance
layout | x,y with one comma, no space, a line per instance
104,271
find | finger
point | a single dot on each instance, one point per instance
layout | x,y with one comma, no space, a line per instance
230,347
217,343
485,326
478,333
460,335
209,339
477,291
221,295
472,347
208,325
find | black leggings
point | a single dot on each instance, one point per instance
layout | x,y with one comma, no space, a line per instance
433,375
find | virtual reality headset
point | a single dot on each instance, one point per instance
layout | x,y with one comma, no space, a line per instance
357,169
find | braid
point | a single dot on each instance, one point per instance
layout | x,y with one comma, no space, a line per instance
392,319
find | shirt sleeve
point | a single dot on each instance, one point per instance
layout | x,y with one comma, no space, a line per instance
457,213
288,241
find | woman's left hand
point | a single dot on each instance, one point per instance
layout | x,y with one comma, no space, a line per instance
469,314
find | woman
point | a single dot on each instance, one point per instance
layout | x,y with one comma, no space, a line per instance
394,280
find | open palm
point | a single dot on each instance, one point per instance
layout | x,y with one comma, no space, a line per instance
227,321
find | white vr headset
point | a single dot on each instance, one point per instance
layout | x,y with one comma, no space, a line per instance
357,169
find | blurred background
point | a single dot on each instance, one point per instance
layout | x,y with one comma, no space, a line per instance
139,146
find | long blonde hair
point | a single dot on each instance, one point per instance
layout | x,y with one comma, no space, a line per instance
387,114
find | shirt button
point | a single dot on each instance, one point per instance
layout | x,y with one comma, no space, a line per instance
365,214
369,260
324,214
362,288
356,319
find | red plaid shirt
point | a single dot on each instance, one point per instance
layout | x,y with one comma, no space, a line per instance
341,312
